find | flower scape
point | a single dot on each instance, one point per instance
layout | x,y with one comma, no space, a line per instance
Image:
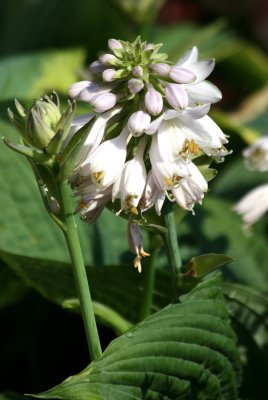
151,125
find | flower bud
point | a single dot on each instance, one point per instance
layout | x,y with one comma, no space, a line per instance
103,102
114,44
76,88
182,75
108,75
176,96
107,58
161,69
97,67
153,101
135,85
137,71
41,122
149,46
138,122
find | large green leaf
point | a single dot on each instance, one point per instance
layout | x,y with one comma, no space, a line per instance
248,312
30,76
12,289
116,290
186,350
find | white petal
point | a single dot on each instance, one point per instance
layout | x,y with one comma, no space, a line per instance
154,126
254,205
191,112
203,92
182,75
176,96
202,69
188,58
257,155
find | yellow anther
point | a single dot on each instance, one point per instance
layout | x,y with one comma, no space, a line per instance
82,204
98,176
172,181
193,147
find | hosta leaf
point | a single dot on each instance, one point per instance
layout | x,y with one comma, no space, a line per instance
187,350
248,312
12,289
31,75
116,290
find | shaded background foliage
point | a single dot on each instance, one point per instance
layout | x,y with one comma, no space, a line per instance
45,45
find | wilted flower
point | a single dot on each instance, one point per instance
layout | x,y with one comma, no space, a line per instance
161,127
135,243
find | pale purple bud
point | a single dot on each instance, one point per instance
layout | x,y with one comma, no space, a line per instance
138,122
107,58
137,71
176,96
76,88
135,85
153,101
114,44
161,69
182,75
92,90
97,67
103,102
108,75
149,46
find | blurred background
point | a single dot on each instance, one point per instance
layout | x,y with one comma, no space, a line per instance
46,45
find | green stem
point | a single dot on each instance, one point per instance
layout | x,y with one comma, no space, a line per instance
148,282
72,239
171,239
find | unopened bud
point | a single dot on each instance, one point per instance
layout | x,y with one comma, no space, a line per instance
138,122
114,44
137,71
182,75
109,75
106,59
41,122
176,96
160,69
149,46
153,101
97,67
103,102
135,85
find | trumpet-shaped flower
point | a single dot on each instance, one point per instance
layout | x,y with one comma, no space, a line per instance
135,243
256,155
253,205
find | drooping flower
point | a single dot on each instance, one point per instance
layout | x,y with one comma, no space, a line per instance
135,243
253,205
256,155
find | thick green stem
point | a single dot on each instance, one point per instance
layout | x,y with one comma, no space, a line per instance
171,239
148,272
72,239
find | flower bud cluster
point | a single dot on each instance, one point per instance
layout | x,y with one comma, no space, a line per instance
152,124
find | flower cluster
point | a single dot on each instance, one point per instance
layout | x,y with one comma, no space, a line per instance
152,123
255,203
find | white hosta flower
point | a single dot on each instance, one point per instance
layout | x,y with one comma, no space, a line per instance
107,161
103,102
135,243
253,205
181,75
152,195
107,59
257,155
132,181
138,122
135,85
153,101
191,189
201,69
95,134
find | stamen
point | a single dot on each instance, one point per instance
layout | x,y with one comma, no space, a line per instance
98,176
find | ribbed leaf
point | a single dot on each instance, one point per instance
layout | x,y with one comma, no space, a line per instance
185,351
248,311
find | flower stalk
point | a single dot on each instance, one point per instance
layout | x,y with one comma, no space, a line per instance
171,241
72,239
